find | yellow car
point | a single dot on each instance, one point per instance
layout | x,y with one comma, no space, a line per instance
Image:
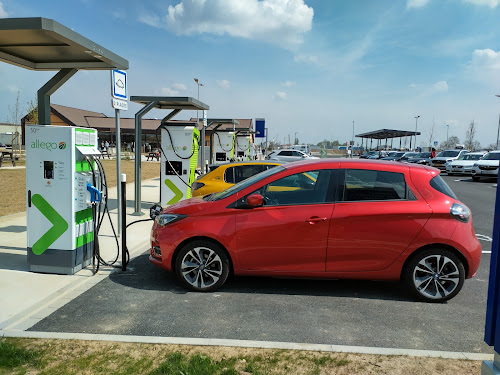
226,175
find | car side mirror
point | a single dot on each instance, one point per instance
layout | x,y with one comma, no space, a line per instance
304,156
154,211
255,200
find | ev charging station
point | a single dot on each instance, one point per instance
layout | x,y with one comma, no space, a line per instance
223,147
59,182
242,148
60,189
179,148
179,159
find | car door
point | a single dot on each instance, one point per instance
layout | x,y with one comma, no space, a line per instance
376,218
289,232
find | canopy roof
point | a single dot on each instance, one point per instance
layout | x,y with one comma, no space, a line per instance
387,133
44,44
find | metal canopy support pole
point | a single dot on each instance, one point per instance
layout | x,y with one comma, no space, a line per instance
170,116
47,90
138,146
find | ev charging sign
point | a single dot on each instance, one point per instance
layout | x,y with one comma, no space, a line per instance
119,89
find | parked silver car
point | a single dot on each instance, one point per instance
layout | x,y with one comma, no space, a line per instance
288,155
487,166
446,156
464,163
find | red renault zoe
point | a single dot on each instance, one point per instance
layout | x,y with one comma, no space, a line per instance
351,219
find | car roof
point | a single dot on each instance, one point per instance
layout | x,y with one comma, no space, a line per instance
288,149
334,163
477,153
249,162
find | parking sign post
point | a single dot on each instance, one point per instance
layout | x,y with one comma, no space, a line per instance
492,326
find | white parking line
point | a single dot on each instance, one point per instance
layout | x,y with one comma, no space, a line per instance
482,237
486,252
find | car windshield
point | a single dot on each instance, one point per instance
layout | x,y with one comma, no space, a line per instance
423,155
244,184
492,156
448,154
470,157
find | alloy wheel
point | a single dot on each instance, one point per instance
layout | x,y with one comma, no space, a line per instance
201,267
436,276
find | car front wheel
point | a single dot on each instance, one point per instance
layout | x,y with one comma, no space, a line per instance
435,275
475,178
202,266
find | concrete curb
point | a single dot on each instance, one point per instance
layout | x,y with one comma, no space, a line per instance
248,344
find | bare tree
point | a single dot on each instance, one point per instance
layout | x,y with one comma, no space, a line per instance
15,113
430,133
450,143
470,135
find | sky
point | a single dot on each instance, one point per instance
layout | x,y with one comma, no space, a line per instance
309,67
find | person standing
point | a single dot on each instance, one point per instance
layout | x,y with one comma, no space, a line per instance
106,146
433,153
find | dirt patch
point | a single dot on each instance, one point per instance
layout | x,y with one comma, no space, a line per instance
89,357
13,182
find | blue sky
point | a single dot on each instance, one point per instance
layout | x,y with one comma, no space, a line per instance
307,66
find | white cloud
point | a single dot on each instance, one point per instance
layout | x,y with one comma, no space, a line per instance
306,59
280,95
485,59
440,86
224,83
416,3
490,3
282,22
288,83
3,13
151,20
167,91
179,86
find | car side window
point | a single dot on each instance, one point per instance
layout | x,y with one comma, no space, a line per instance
238,173
296,153
371,185
298,189
285,153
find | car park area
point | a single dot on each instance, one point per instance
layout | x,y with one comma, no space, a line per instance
147,301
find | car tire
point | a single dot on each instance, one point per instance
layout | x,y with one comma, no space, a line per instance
475,178
202,266
434,275
450,174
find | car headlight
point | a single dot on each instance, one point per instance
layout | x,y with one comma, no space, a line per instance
164,219
197,185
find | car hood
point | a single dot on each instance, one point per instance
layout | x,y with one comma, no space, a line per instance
488,162
445,158
463,162
188,206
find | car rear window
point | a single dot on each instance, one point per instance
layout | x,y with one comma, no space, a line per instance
440,185
372,185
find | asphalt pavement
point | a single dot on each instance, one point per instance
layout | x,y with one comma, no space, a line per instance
147,301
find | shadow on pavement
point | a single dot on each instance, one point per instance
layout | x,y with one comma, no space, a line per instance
14,229
141,274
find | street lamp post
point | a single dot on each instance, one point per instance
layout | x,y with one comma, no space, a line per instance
202,140
352,140
447,130
416,122
295,139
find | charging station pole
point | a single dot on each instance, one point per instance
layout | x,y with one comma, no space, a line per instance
118,101
124,220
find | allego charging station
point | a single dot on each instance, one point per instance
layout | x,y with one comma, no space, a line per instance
179,159
242,147
223,148
59,193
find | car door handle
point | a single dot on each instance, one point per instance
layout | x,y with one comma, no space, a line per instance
315,219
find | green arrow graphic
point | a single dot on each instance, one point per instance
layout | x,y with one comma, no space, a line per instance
59,225
178,194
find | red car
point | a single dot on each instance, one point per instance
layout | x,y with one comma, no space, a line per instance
347,219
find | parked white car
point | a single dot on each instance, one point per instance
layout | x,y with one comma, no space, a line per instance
446,156
464,163
487,166
289,155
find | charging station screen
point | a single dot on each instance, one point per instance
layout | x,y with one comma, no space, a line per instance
48,170
241,153
220,156
173,168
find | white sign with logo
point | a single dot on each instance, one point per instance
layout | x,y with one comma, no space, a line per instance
119,89
205,119
119,104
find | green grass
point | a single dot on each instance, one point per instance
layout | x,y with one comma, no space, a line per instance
13,356
197,364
